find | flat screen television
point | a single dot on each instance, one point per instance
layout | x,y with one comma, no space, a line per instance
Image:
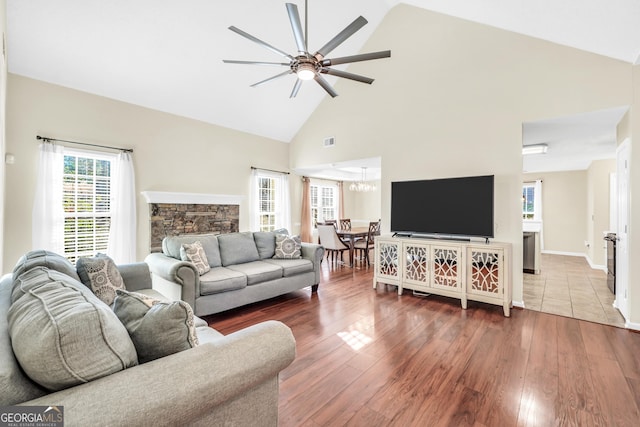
451,207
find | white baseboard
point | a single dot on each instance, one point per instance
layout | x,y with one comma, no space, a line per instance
632,325
519,304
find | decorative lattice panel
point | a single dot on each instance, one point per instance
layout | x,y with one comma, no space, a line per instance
416,263
484,272
388,262
445,267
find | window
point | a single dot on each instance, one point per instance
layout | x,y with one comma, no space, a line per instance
267,204
324,203
528,201
270,200
87,203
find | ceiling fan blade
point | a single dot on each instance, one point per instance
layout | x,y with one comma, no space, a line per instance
358,23
325,85
346,75
296,88
272,78
296,26
356,58
260,42
233,61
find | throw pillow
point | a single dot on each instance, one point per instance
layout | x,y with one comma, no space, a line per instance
157,328
101,275
288,247
194,253
62,334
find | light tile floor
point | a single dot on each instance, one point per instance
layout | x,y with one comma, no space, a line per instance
568,286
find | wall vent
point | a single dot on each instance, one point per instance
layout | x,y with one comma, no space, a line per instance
329,142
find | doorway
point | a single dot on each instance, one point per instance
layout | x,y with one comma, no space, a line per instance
575,174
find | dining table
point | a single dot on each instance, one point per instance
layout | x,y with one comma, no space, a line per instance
350,236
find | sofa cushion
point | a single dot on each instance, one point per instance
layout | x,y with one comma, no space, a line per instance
237,248
258,271
62,334
157,328
292,267
101,275
221,279
287,247
266,243
15,385
194,253
51,260
171,246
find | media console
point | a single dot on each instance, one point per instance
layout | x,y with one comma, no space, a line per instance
473,271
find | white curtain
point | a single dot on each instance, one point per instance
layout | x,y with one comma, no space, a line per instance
47,230
283,202
122,232
254,201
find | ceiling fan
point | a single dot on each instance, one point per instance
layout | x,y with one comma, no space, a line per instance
307,66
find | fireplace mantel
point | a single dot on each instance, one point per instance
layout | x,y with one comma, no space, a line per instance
191,198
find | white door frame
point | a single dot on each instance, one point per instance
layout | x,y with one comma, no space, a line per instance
623,162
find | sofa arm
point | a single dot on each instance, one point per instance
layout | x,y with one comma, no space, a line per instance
313,252
231,381
136,276
171,272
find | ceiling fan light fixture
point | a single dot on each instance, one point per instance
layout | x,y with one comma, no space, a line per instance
306,72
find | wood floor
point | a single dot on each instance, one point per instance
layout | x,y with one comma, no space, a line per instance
370,358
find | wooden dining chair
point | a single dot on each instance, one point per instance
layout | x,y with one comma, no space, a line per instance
345,224
362,247
331,242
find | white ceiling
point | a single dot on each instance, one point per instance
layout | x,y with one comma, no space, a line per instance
167,54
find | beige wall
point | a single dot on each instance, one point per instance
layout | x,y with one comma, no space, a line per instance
170,153
564,210
451,102
362,207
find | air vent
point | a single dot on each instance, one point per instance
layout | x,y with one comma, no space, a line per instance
329,142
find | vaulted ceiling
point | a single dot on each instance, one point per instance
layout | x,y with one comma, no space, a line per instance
167,54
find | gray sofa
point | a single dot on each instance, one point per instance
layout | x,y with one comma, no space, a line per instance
224,380
243,270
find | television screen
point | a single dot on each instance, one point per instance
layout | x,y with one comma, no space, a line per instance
456,207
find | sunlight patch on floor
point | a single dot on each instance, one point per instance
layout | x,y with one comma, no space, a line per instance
355,339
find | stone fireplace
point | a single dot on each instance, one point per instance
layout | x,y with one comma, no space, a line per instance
172,214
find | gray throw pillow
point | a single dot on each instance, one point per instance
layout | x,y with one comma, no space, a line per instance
101,275
157,328
62,334
194,253
288,247
40,257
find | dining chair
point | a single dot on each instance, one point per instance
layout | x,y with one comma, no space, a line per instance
331,242
362,247
345,224
332,222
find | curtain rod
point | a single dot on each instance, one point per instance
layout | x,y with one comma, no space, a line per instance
126,150
268,170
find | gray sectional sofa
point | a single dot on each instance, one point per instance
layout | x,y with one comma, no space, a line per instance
243,270
223,380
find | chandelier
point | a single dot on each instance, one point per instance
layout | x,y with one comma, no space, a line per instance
362,185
